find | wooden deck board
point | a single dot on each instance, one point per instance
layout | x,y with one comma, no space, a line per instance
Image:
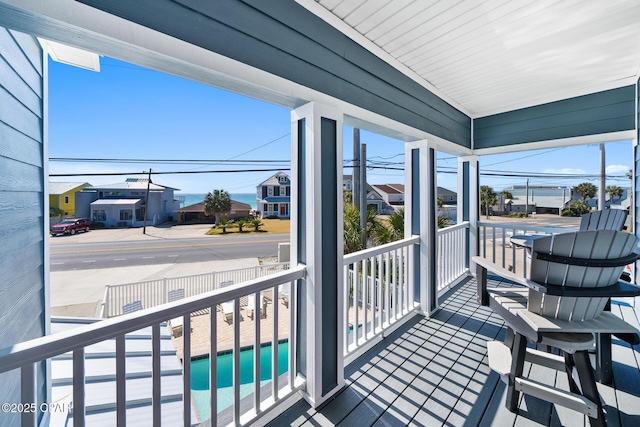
435,372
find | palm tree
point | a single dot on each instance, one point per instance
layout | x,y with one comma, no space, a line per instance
392,231
614,192
506,194
224,224
488,198
241,223
257,223
587,190
352,230
576,208
217,203
396,224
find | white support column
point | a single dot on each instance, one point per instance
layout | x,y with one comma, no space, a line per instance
420,219
469,203
317,242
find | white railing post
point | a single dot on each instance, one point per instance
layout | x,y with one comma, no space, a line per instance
469,203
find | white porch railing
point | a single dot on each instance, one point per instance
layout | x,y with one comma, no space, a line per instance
495,244
152,293
452,258
28,355
378,292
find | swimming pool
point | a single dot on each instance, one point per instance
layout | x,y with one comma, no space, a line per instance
200,376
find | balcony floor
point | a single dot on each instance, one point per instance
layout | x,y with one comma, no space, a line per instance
434,372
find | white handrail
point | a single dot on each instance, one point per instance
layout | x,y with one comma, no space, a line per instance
378,250
453,228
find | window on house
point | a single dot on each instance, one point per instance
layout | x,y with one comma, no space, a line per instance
99,215
126,214
270,191
66,200
283,190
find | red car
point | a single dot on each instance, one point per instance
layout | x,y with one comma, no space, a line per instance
70,226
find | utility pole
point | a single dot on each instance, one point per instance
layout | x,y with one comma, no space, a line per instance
146,205
526,204
355,176
603,183
363,193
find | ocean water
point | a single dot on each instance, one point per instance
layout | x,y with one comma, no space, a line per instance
193,198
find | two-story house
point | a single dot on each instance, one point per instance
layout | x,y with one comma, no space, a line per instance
62,195
123,204
274,196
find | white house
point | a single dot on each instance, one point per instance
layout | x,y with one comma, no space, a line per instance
274,196
123,204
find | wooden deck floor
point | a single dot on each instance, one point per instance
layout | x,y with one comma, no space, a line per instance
434,372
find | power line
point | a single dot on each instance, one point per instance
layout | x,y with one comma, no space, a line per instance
525,157
260,146
167,161
58,175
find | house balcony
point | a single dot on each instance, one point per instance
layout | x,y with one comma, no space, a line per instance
400,365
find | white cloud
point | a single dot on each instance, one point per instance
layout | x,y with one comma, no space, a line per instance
617,169
568,171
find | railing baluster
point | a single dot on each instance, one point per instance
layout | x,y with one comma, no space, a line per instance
236,361
121,381
387,288
257,315
403,280
356,301
345,310
213,365
371,277
78,388
156,373
28,393
186,368
379,285
394,286
293,343
274,350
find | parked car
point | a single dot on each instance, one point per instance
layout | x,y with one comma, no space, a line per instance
70,226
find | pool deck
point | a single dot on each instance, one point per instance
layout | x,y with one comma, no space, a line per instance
201,328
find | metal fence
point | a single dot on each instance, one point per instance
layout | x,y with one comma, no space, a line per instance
151,293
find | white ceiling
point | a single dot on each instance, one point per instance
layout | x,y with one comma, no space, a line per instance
490,56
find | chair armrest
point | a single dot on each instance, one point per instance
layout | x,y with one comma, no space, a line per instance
509,275
619,289
483,265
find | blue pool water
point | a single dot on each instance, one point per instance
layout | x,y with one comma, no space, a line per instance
200,376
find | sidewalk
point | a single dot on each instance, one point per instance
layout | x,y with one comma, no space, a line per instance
78,293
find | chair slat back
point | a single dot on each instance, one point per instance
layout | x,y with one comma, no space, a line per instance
175,295
594,244
608,219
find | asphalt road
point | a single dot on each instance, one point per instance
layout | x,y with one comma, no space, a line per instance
78,255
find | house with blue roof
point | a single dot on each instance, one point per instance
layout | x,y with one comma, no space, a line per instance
274,196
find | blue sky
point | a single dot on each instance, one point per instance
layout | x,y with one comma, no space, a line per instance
129,112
